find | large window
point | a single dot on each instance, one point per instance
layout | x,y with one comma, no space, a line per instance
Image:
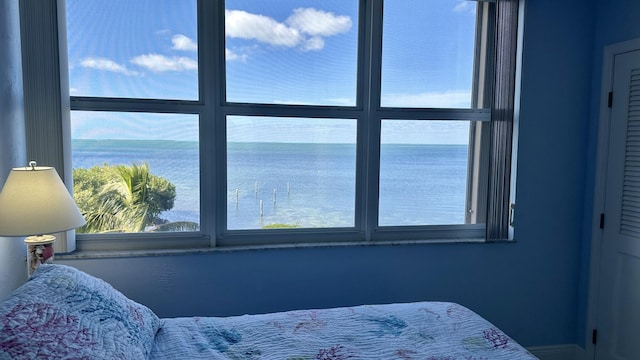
251,122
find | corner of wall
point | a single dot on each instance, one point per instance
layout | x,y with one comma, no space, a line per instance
13,266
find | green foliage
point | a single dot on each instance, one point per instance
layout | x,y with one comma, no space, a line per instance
119,198
280,226
177,226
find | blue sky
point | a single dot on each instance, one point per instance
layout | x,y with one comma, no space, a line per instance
284,51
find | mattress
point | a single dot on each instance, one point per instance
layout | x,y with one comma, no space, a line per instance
421,330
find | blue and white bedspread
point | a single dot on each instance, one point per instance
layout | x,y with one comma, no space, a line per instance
424,330
64,313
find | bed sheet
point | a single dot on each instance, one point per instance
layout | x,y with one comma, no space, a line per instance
422,330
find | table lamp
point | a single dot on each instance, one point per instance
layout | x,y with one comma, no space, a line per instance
34,202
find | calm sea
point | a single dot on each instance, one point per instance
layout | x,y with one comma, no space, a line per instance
308,185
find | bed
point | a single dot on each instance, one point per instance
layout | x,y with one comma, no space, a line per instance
63,313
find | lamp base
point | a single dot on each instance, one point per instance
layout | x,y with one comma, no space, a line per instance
39,251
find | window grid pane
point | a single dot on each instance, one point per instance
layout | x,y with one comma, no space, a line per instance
423,172
428,53
133,49
296,52
130,179
290,173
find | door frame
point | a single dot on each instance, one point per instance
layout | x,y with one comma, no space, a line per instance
608,63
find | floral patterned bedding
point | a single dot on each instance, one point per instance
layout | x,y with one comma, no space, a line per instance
63,313
423,330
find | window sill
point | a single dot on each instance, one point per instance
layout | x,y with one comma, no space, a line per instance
88,254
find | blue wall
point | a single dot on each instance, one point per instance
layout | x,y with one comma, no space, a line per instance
531,288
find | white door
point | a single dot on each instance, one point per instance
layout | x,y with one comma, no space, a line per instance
618,312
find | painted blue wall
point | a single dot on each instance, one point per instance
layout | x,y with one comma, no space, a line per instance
554,132
529,288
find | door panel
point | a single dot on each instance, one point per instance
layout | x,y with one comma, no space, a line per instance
618,319
627,347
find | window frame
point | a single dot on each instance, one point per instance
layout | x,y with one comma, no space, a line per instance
212,109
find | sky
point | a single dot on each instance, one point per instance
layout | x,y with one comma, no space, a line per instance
283,52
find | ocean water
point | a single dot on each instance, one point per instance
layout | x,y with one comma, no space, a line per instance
305,185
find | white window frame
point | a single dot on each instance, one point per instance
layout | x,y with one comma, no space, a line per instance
490,141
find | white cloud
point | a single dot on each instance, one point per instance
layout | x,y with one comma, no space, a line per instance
464,5
332,101
106,65
244,25
161,63
232,56
306,28
318,23
342,101
314,43
182,42
446,99
425,132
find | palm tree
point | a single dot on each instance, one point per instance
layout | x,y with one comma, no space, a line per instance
129,200
127,197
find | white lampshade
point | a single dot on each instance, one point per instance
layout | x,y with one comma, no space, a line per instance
34,201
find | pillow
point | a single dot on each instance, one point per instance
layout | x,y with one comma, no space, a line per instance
61,312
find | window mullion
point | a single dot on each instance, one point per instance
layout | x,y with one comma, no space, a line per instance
479,136
212,120
483,114
85,103
369,126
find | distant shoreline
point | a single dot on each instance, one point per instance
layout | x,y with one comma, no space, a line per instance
149,141
421,184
